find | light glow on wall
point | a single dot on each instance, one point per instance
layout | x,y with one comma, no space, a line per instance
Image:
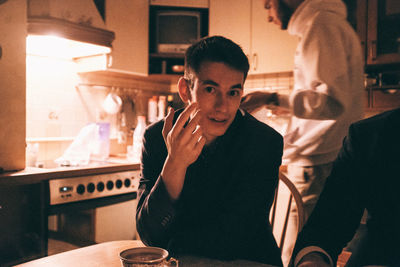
58,47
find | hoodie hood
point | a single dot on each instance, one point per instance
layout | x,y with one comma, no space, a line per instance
304,13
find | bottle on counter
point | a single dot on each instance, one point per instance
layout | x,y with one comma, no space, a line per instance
138,139
101,146
162,101
170,101
152,110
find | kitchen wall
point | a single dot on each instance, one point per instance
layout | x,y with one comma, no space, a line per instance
58,107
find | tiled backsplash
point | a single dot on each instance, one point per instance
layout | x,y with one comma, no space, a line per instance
57,108
277,82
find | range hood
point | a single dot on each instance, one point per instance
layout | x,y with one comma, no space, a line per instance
58,26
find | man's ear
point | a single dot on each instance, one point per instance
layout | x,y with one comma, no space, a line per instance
184,90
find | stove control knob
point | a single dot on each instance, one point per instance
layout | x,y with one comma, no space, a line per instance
91,187
118,183
80,189
127,182
100,186
110,185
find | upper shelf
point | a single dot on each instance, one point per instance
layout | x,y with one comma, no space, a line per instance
157,83
167,55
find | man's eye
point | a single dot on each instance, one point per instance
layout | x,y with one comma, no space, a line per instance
209,89
267,5
234,93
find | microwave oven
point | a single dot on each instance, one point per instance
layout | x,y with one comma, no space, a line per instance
174,29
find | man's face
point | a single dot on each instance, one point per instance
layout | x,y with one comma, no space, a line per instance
217,89
278,12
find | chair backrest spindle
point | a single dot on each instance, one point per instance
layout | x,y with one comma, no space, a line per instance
293,195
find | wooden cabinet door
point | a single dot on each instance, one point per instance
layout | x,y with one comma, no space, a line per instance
383,25
130,22
268,48
272,49
13,32
231,19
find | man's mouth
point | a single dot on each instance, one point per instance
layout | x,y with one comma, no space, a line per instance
218,120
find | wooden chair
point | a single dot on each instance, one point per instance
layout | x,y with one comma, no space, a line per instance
284,194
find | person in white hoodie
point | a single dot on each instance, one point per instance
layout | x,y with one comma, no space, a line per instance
327,94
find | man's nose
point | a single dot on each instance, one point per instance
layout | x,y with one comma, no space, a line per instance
221,103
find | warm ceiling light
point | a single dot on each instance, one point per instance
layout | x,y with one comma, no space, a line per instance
58,47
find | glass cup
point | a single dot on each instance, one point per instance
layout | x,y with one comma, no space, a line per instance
32,153
146,257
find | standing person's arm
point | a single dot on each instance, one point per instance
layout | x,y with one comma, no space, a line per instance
258,99
324,70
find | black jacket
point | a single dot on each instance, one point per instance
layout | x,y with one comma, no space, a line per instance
223,209
365,175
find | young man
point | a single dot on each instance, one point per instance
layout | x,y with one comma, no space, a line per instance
326,98
209,172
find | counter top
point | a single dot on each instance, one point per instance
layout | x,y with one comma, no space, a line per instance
32,175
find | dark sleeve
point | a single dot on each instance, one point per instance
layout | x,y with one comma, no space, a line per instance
242,219
341,204
155,211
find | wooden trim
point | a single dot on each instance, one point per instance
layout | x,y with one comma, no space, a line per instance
372,34
70,30
151,84
362,23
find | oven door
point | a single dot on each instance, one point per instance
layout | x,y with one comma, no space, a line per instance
80,217
81,225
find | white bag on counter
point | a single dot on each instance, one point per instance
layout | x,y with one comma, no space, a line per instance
92,142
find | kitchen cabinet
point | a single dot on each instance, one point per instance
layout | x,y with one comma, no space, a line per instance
378,25
23,224
382,98
383,90
129,20
268,48
13,31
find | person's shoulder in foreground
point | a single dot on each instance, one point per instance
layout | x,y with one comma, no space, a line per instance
364,176
208,175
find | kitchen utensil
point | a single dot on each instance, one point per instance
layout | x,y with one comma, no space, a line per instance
128,108
112,103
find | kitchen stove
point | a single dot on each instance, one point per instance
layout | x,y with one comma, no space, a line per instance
87,208
72,189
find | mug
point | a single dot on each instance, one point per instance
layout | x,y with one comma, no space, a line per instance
146,257
112,103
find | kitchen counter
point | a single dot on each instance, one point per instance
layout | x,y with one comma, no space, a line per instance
29,196
32,175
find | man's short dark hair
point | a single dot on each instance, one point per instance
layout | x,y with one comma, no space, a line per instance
214,49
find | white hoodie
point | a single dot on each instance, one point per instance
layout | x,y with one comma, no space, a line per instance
328,83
